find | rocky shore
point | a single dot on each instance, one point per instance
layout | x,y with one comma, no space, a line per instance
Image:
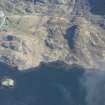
48,31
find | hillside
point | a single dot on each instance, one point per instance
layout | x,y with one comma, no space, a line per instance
35,31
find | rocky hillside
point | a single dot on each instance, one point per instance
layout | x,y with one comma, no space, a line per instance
35,31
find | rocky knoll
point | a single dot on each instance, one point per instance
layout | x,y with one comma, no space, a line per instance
38,31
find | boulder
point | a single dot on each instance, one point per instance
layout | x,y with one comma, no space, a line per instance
7,82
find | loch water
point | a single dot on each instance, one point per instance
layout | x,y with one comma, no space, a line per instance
53,84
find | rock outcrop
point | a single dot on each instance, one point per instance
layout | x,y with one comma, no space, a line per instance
38,31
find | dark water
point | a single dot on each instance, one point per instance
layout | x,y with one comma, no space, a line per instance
53,84
97,6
